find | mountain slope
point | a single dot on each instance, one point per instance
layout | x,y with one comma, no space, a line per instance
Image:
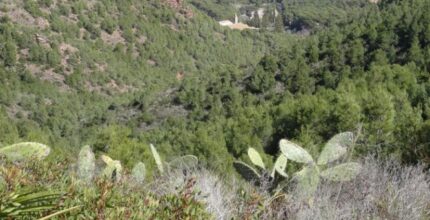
72,67
120,75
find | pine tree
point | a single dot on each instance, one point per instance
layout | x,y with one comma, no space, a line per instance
279,24
9,53
356,55
414,53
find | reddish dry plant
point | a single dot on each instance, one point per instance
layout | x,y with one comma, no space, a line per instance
105,187
187,197
252,205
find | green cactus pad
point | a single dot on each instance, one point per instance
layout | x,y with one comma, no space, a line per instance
280,166
138,173
255,158
113,168
294,152
307,181
86,164
342,172
335,148
25,151
157,159
184,162
247,172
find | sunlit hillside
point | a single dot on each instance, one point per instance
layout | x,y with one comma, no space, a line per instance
214,109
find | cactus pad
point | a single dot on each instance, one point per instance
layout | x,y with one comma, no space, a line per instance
138,173
255,158
307,181
247,172
25,151
113,168
342,172
335,148
280,166
184,162
86,164
294,152
157,158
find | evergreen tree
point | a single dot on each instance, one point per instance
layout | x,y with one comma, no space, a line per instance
356,54
279,24
415,54
9,53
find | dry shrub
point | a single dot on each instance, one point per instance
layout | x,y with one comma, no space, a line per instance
383,190
218,197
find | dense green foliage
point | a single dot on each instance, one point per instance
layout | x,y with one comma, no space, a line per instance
303,15
123,76
71,82
119,75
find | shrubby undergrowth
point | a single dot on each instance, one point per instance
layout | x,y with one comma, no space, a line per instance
119,75
187,190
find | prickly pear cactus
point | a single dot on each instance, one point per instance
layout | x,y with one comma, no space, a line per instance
247,172
307,181
256,176
113,169
138,173
157,158
86,164
25,151
184,162
335,147
280,166
342,172
309,177
294,152
255,158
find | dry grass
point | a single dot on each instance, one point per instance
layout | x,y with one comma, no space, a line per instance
218,197
384,190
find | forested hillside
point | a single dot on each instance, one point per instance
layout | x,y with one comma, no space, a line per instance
135,73
119,75
105,73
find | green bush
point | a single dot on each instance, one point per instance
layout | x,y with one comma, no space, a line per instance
9,54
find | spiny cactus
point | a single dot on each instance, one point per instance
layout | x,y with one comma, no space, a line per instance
86,164
308,178
184,162
138,173
307,181
253,175
335,147
25,151
342,172
280,166
246,171
255,158
157,158
113,169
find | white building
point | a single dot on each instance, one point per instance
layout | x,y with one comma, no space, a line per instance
226,23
